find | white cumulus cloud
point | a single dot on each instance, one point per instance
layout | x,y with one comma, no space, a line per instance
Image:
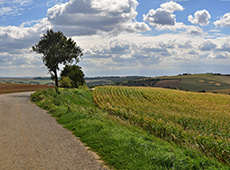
163,18
81,17
164,15
172,6
159,17
200,17
223,21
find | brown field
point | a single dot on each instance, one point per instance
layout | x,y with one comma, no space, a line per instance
11,87
170,83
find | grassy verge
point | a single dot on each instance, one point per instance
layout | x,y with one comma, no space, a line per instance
119,144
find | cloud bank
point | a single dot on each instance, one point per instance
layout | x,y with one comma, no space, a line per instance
175,52
115,42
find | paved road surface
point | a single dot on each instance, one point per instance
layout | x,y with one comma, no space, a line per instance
31,139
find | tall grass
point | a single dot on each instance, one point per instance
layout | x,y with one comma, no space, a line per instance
200,121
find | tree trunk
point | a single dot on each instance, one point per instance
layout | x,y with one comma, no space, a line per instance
56,81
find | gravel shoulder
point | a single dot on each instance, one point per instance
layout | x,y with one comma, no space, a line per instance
32,139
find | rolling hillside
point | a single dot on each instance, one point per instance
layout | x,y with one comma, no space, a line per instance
215,83
197,83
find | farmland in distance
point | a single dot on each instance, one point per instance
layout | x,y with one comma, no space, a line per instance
215,83
25,80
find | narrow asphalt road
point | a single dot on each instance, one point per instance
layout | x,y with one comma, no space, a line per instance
32,139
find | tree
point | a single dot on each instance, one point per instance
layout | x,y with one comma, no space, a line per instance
75,73
56,50
66,82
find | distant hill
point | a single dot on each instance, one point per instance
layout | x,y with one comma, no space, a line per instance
27,80
100,81
90,81
209,82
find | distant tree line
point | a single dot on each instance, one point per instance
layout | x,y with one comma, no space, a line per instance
112,80
141,82
184,74
42,78
218,74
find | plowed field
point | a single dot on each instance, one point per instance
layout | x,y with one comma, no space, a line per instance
10,87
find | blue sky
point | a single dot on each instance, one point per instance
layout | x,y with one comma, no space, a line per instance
120,37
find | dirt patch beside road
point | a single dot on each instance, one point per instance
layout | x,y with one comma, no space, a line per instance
11,87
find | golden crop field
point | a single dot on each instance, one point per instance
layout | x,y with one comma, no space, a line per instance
196,120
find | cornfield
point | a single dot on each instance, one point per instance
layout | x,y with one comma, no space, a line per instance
197,120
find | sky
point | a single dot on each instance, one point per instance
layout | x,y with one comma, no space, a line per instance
119,37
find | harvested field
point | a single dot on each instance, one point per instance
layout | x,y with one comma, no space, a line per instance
168,83
201,81
11,87
218,84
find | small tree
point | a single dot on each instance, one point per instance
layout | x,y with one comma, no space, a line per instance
75,73
57,49
66,82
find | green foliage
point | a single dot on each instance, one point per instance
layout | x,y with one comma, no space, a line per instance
118,143
66,82
196,120
57,49
75,74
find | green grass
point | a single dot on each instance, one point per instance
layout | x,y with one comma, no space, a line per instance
119,144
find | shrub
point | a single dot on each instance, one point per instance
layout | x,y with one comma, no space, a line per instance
75,74
66,82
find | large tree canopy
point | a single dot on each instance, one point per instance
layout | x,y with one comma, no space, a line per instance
57,49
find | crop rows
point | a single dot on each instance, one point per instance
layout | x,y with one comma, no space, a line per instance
200,121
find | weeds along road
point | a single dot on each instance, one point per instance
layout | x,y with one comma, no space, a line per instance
32,139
